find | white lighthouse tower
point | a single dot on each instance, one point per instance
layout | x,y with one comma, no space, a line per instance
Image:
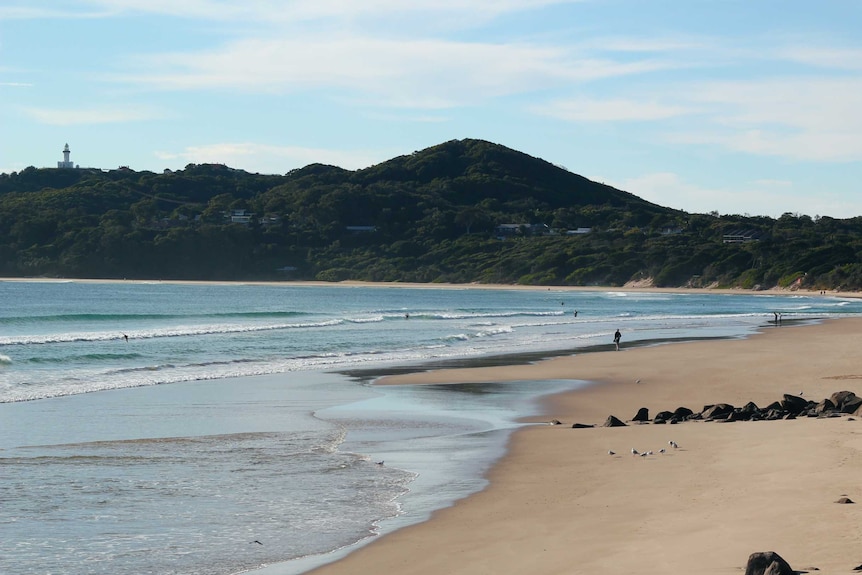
66,163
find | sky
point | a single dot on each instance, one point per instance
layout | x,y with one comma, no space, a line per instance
731,106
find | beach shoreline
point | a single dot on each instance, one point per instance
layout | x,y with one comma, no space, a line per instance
634,287
558,502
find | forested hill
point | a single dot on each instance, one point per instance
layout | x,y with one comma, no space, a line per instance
462,211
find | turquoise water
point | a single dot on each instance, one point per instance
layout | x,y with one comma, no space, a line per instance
223,421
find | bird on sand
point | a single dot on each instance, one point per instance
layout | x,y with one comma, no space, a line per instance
635,451
611,452
673,444
662,450
380,462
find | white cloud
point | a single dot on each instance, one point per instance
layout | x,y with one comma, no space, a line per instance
804,118
611,110
269,159
838,58
285,11
760,197
85,116
420,73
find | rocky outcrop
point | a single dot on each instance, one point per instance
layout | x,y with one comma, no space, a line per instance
642,415
767,563
717,411
790,407
612,421
846,401
794,404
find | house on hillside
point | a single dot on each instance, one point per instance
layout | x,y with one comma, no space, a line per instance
239,217
741,236
503,231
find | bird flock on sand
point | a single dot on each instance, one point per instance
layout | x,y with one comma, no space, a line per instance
635,452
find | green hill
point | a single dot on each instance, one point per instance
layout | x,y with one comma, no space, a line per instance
461,211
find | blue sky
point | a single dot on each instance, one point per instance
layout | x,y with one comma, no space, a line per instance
741,107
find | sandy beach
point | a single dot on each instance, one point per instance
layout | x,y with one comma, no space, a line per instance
559,503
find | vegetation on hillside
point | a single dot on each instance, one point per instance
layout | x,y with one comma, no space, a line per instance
462,211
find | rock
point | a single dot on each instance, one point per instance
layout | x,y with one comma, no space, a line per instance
582,425
662,417
642,415
773,414
767,563
793,404
846,401
555,422
737,415
845,500
612,421
750,409
717,411
682,413
825,406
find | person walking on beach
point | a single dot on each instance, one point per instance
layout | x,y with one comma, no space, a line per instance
617,337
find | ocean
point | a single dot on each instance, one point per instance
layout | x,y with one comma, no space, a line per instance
161,428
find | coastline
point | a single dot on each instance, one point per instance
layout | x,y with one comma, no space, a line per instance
630,287
557,502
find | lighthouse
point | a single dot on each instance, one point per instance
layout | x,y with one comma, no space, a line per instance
66,163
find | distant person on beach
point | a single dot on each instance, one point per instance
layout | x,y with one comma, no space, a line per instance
617,337
576,313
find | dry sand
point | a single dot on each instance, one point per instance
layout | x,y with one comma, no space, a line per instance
559,503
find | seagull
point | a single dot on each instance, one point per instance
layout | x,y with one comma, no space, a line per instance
649,452
637,381
258,542
662,450
380,462
611,452
644,454
635,451
673,444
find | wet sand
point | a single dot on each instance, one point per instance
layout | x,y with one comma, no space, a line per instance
559,503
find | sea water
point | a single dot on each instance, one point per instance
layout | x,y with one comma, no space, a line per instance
222,435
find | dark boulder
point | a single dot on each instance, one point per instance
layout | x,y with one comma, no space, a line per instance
682,413
717,411
846,401
767,563
662,417
750,409
845,500
825,406
612,421
773,414
794,404
774,405
737,415
582,425
642,415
